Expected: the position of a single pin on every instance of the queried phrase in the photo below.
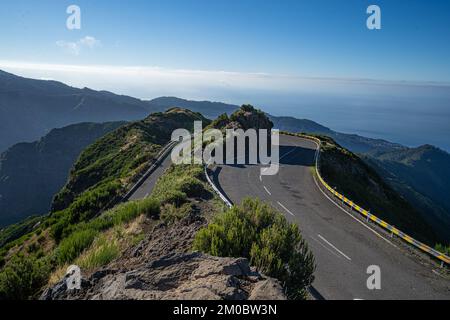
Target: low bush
(22, 277)
(179, 183)
(171, 213)
(84, 233)
(150, 207)
(443, 249)
(72, 246)
(256, 231)
(175, 197)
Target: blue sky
(305, 38)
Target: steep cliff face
(422, 176)
(351, 176)
(31, 173)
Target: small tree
(256, 231)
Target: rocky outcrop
(162, 266)
(185, 276)
(248, 117)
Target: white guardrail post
(393, 231)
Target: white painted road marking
(267, 190)
(287, 153)
(326, 248)
(331, 245)
(287, 210)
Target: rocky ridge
(162, 267)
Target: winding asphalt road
(147, 186)
(344, 246)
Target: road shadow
(289, 155)
(297, 156)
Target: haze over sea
(410, 114)
(411, 121)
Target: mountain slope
(116, 160)
(103, 173)
(211, 110)
(31, 173)
(422, 176)
(361, 183)
(31, 108)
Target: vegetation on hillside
(31, 173)
(352, 177)
(123, 154)
(422, 176)
(27, 271)
(443, 249)
(103, 172)
(257, 231)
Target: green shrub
(192, 187)
(125, 212)
(58, 228)
(102, 253)
(171, 213)
(174, 197)
(91, 202)
(256, 231)
(150, 207)
(443, 249)
(99, 224)
(72, 246)
(83, 234)
(22, 277)
(180, 182)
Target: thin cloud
(75, 48)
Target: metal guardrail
(353, 206)
(216, 190)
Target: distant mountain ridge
(30, 108)
(422, 176)
(31, 173)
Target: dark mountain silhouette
(31, 173)
(30, 108)
(422, 176)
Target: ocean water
(409, 120)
